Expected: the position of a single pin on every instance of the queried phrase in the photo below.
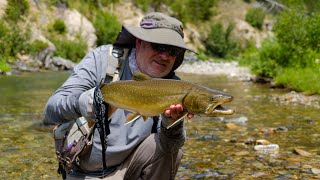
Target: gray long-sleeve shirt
(63, 106)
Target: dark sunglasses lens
(163, 48)
(173, 52)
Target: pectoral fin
(180, 118)
(134, 116)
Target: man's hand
(174, 111)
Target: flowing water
(217, 148)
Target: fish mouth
(217, 109)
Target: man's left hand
(174, 111)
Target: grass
(305, 80)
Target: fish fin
(181, 118)
(144, 117)
(132, 117)
(138, 76)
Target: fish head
(208, 103)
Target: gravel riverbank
(230, 69)
(234, 71)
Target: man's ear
(138, 43)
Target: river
(216, 148)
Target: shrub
(13, 40)
(37, 46)
(193, 10)
(74, 50)
(255, 17)
(4, 66)
(107, 28)
(16, 8)
(292, 58)
(302, 79)
(58, 26)
(219, 42)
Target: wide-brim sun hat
(155, 28)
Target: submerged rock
(267, 149)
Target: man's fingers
(167, 113)
(174, 111)
(190, 115)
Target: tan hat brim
(159, 36)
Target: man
(142, 149)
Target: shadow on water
(214, 149)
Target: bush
(73, 50)
(59, 26)
(107, 28)
(37, 46)
(255, 17)
(13, 40)
(16, 8)
(219, 42)
(292, 58)
(193, 10)
(303, 79)
(185, 10)
(4, 66)
(263, 61)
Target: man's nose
(165, 55)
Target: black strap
(62, 171)
(155, 124)
(101, 112)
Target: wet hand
(175, 111)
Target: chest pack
(75, 137)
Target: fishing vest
(75, 137)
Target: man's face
(153, 60)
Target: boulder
(77, 24)
(3, 5)
(59, 63)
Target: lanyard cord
(101, 112)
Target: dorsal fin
(138, 76)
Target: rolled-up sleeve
(63, 105)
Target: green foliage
(145, 4)
(299, 35)
(37, 46)
(13, 40)
(263, 61)
(16, 8)
(292, 57)
(73, 50)
(59, 26)
(255, 17)
(302, 79)
(4, 66)
(219, 42)
(193, 10)
(107, 28)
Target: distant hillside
(68, 29)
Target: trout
(147, 97)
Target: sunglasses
(173, 51)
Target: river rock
(315, 171)
(3, 5)
(238, 120)
(232, 126)
(303, 152)
(58, 63)
(267, 149)
(262, 142)
(77, 24)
